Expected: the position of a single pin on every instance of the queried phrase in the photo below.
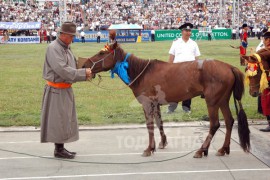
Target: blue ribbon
(120, 68)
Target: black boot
(267, 129)
(61, 152)
(74, 153)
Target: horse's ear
(112, 35)
(249, 59)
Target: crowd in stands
(151, 14)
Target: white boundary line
(137, 173)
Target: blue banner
(126, 39)
(146, 35)
(91, 36)
(20, 25)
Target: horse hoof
(146, 153)
(205, 152)
(197, 155)
(227, 150)
(162, 146)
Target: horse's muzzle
(254, 94)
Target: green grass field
(21, 85)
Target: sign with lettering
(20, 25)
(21, 39)
(126, 39)
(163, 35)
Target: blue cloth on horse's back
(120, 68)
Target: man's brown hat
(68, 28)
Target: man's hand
(88, 74)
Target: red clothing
(265, 101)
(243, 50)
(243, 44)
(244, 36)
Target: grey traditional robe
(58, 117)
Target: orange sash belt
(60, 85)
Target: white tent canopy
(125, 26)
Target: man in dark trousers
(183, 49)
(98, 36)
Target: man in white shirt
(54, 35)
(261, 44)
(234, 34)
(82, 36)
(152, 35)
(182, 50)
(98, 36)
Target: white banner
(20, 25)
(20, 40)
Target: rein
(139, 74)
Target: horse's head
(257, 71)
(105, 59)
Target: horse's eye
(101, 52)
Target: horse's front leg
(163, 143)
(149, 116)
(214, 125)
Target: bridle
(263, 84)
(107, 48)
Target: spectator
(153, 35)
(209, 36)
(48, 33)
(98, 36)
(82, 36)
(54, 35)
(234, 34)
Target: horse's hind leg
(149, 116)
(214, 125)
(159, 123)
(229, 124)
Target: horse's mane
(264, 53)
(139, 67)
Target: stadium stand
(151, 14)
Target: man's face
(69, 38)
(266, 42)
(186, 33)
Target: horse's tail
(238, 91)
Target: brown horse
(257, 71)
(156, 83)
